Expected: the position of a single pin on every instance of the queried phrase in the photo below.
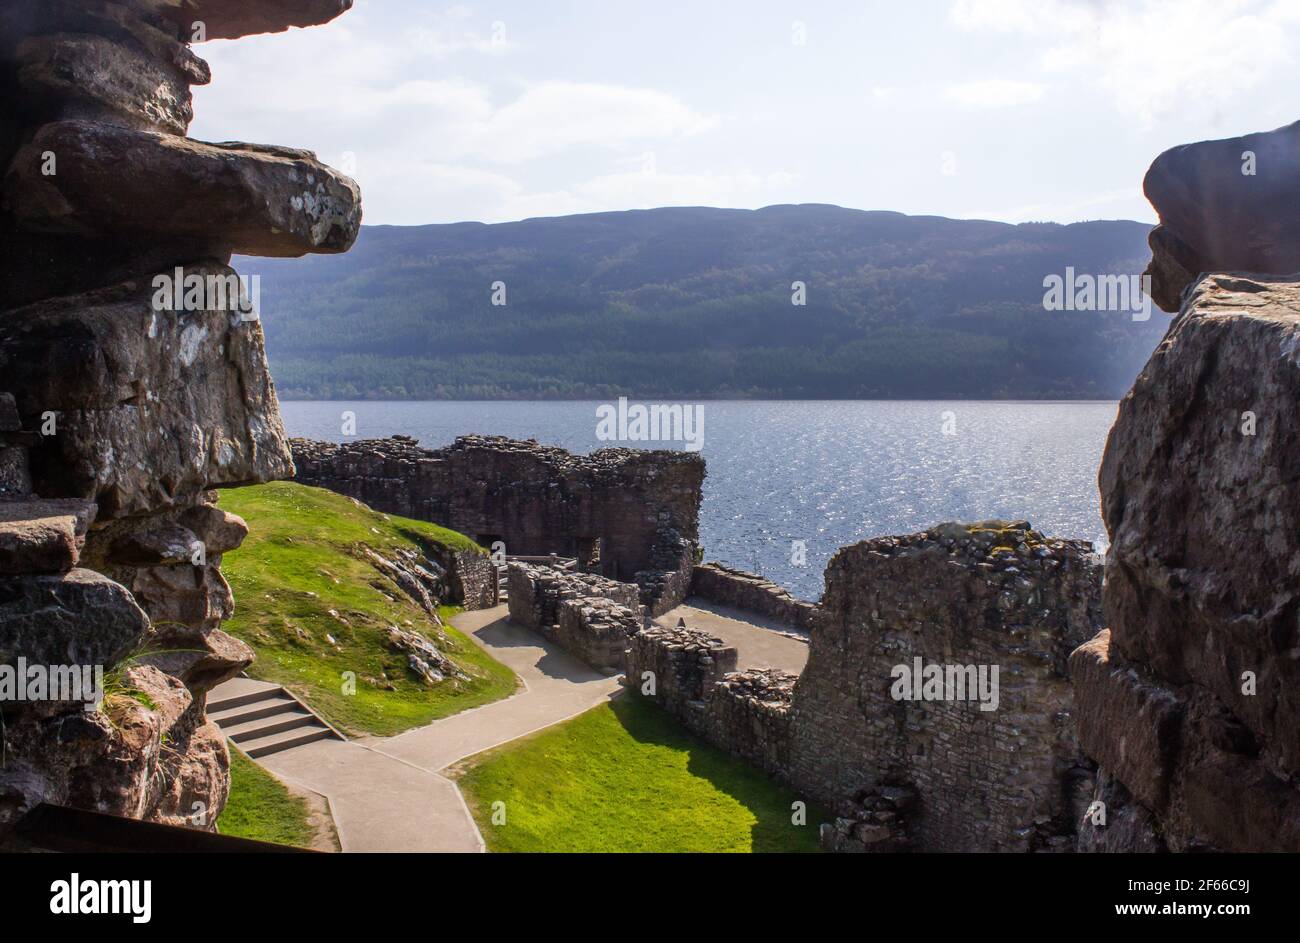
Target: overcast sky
(999, 109)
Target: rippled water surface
(826, 473)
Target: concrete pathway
(387, 793)
(759, 642)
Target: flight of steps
(503, 585)
(264, 718)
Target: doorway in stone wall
(588, 552)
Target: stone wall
(586, 615)
(1190, 702)
(627, 514)
(472, 579)
(122, 405)
(693, 676)
(991, 594)
(740, 590)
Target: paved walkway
(388, 794)
(760, 642)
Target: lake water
(825, 473)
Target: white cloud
(456, 31)
(432, 147)
(555, 116)
(995, 93)
(1155, 58)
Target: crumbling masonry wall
(587, 615)
(626, 514)
(123, 406)
(997, 593)
(740, 590)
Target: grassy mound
(626, 777)
(315, 609)
(261, 808)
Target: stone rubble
(424, 657)
(873, 820)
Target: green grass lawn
(304, 557)
(260, 807)
(627, 777)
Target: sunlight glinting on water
(827, 473)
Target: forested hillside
(696, 302)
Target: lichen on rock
(120, 411)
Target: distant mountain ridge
(695, 302)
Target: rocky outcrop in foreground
(1191, 701)
(133, 381)
(1224, 206)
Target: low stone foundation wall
(749, 711)
(596, 630)
(692, 675)
(667, 586)
(472, 579)
(677, 668)
(740, 590)
(586, 615)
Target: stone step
(285, 740)
(264, 718)
(235, 715)
(265, 726)
(241, 691)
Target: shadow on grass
(768, 800)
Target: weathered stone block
(79, 75)
(245, 198)
(151, 407)
(1201, 499)
(201, 658)
(45, 618)
(187, 595)
(1130, 726)
(42, 536)
(194, 790)
(230, 19)
(1216, 218)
